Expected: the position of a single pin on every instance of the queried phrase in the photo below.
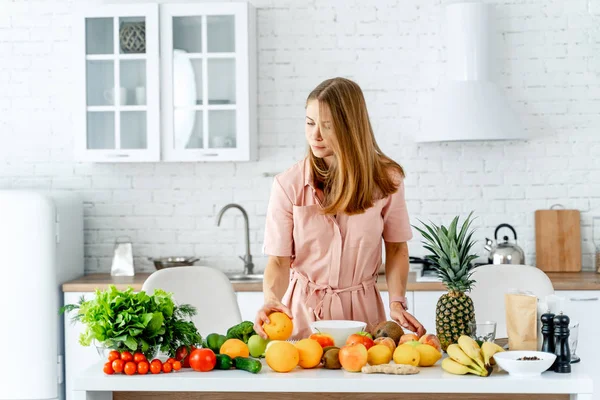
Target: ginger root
(393, 369)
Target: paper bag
(122, 263)
(521, 321)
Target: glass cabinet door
(120, 83)
(203, 59)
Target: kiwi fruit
(388, 329)
(331, 358)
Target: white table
(94, 384)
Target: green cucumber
(248, 364)
(223, 361)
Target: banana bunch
(467, 357)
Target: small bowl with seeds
(524, 363)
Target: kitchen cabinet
(117, 112)
(583, 306)
(169, 82)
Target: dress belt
(330, 296)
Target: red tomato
(155, 368)
(139, 357)
(176, 365)
(167, 367)
(108, 369)
(203, 360)
(118, 366)
(182, 355)
(113, 355)
(170, 360)
(142, 367)
(130, 368)
(126, 356)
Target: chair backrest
(207, 289)
(493, 281)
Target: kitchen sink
(237, 277)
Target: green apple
(257, 346)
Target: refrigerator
(41, 247)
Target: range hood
(468, 105)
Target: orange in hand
(280, 326)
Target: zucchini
(248, 364)
(223, 361)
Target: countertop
(91, 282)
(428, 380)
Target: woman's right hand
(263, 315)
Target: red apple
(323, 339)
(358, 338)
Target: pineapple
(452, 261)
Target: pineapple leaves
(451, 252)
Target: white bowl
(509, 361)
(338, 329)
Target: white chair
(494, 281)
(207, 289)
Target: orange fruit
(234, 348)
(282, 356)
(310, 352)
(280, 326)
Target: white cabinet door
(249, 303)
(583, 306)
(208, 71)
(424, 308)
(77, 357)
(117, 111)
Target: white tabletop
(429, 380)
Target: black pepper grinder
(561, 341)
(548, 344)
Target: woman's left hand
(406, 320)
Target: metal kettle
(505, 252)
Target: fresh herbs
(124, 320)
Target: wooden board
(558, 240)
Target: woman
(326, 218)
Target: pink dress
(335, 261)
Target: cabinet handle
(210, 154)
(117, 155)
(584, 299)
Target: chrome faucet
(248, 265)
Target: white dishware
(338, 329)
(513, 362)
(119, 97)
(140, 95)
(184, 98)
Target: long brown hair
(361, 173)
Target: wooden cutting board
(558, 240)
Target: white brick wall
(548, 64)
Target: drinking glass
(483, 331)
(573, 338)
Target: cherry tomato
(143, 367)
(113, 355)
(130, 368)
(203, 360)
(170, 360)
(167, 367)
(126, 356)
(182, 355)
(118, 366)
(155, 368)
(108, 369)
(139, 357)
(176, 365)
